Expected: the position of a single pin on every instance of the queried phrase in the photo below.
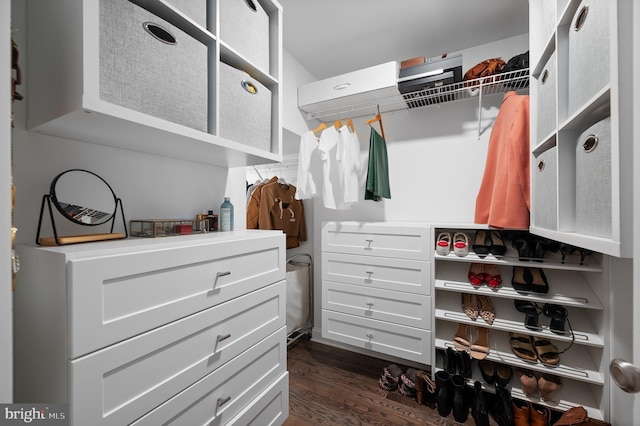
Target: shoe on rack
(480, 407)
(531, 311)
(480, 348)
(460, 339)
(522, 347)
(521, 413)
(488, 370)
(497, 244)
(539, 283)
(470, 305)
(558, 315)
(460, 244)
(460, 406)
(546, 351)
(539, 415)
(486, 311)
(443, 244)
(521, 244)
(482, 243)
(521, 279)
(548, 385)
(476, 274)
(492, 276)
(528, 381)
(503, 374)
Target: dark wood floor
(330, 386)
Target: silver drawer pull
(225, 337)
(220, 274)
(369, 242)
(370, 336)
(222, 401)
(369, 304)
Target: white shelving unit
(578, 288)
(470, 89)
(562, 33)
(64, 86)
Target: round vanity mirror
(83, 197)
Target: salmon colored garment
(503, 198)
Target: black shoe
(480, 408)
(460, 404)
(531, 311)
(444, 393)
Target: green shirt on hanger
(377, 186)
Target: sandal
(482, 243)
(443, 245)
(460, 244)
(548, 384)
(486, 311)
(531, 311)
(460, 340)
(480, 348)
(547, 352)
(558, 315)
(476, 274)
(522, 348)
(520, 280)
(492, 276)
(470, 305)
(528, 381)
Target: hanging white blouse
(309, 170)
(349, 164)
(332, 194)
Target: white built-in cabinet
(209, 40)
(376, 288)
(581, 289)
(581, 144)
(181, 330)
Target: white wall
(6, 305)
(151, 187)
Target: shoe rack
(577, 287)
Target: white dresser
(181, 330)
(376, 287)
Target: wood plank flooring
(331, 386)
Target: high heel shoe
(480, 348)
(497, 244)
(528, 382)
(481, 243)
(558, 315)
(522, 246)
(470, 305)
(486, 311)
(537, 247)
(531, 311)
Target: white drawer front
(220, 396)
(377, 239)
(113, 298)
(271, 407)
(384, 305)
(376, 272)
(119, 384)
(392, 339)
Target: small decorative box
(154, 228)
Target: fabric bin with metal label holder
(149, 65)
(245, 108)
(589, 57)
(547, 99)
(194, 9)
(593, 180)
(244, 26)
(545, 187)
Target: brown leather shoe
(521, 411)
(539, 415)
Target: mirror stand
(73, 239)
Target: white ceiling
(332, 37)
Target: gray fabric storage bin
(593, 180)
(545, 187)
(245, 117)
(546, 108)
(244, 26)
(589, 53)
(140, 72)
(194, 9)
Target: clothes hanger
(350, 125)
(321, 127)
(377, 118)
(337, 124)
